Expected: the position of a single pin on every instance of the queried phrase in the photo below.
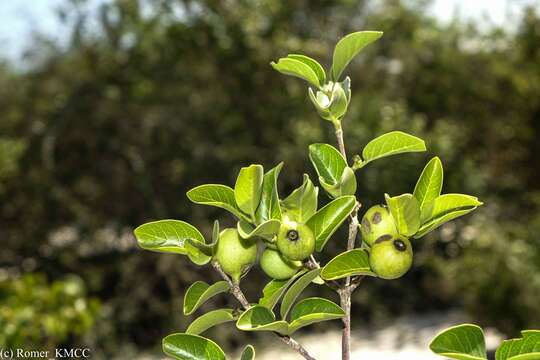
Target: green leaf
(215, 232)
(199, 292)
(406, 213)
(327, 220)
(312, 310)
(349, 263)
(269, 204)
(217, 195)
(462, 342)
(392, 143)
(265, 230)
(345, 186)
(448, 207)
(295, 290)
(210, 319)
(328, 162)
(170, 236)
(248, 353)
(295, 67)
(248, 188)
(191, 347)
(274, 290)
(206, 249)
(301, 204)
(348, 47)
(313, 64)
(260, 318)
(525, 348)
(428, 187)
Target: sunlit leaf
(199, 292)
(269, 204)
(406, 213)
(301, 204)
(265, 230)
(216, 195)
(210, 319)
(462, 342)
(248, 353)
(328, 162)
(295, 67)
(170, 236)
(327, 220)
(392, 143)
(525, 348)
(248, 188)
(448, 207)
(313, 64)
(428, 187)
(260, 318)
(191, 347)
(350, 263)
(312, 310)
(295, 290)
(274, 290)
(348, 47)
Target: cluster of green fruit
(391, 254)
(281, 259)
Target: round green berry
(234, 254)
(277, 267)
(391, 257)
(377, 221)
(295, 240)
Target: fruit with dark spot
(295, 240)
(277, 266)
(377, 221)
(234, 254)
(391, 257)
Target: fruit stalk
(239, 295)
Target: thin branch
(296, 346)
(340, 141)
(346, 290)
(235, 289)
(239, 295)
(313, 264)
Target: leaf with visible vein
(217, 195)
(294, 67)
(429, 186)
(170, 236)
(392, 143)
(349, 263)
(191, 347)
(462, 342)
(199, 292)
(269, 204)
(328, 219)
(348, 47)
(210, 319)
(295, 290)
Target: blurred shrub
(36, 313)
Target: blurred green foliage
(149, 99)
(36, 313)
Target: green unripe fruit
(234, 254)
(277, 267)
(377, 221)
(391, 257)
(295, 241)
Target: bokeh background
(111, 110)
